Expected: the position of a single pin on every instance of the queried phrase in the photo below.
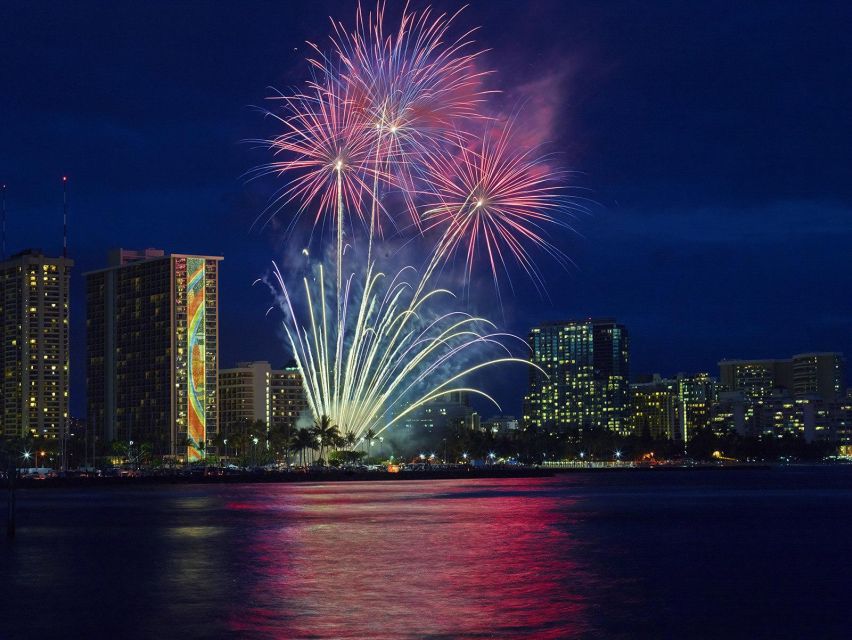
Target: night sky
(714, 139)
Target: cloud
(536, 106)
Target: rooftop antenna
(3, 256)
(64, 216)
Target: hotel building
(152, 351)
(802, 375)
(34, 345)
(584, 383)
(254, 391)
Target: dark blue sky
(714, 137)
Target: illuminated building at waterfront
(801, 396)
(34, 293)
(152, 350)
(802, 375)
(672, 408)
(452, 411)
(584, 383)
(654, 409)
(288, 403)
(253, 391)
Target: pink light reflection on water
(445, 559)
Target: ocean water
(638, 554)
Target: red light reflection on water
(446, 559)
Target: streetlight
(618, 455)
(254, 456)
(492, 456)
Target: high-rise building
(654, 409)
(288, 403)
(34, 345)
(756, 379)
(254, 391)
(673, 408)
(844, 423)
(244, 394)
(696, 396)
(584, 383)
(818, 374)
(804, 374)
(152, 351)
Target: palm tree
(326, 432)
(350, 439)
(219, 441)
(369, 438)
(279, 442)
(303, 441)
(239, 442)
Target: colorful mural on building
(196, 427)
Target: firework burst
(412, 85)
(491, 198)
(325, 147)
(386, 109)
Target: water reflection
(634, 555)
(420, 560)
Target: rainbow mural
(197, 425)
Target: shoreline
(285, 477)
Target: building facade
(756, 379)
(802, 375)
(697, 394)
(501, 425)
(801, 396)
(581, 376)
(288, 402)
(654, 409)
(672, 408)
(152, 351)
(819, 374)
(255, 392)
(244, 394)
(34, 348)
(447, 413)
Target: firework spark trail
(389, 351)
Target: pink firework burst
(412, 85)
(325, 150)
(489, 197)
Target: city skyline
(121, 256)
(697, 264)
(425, 319)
